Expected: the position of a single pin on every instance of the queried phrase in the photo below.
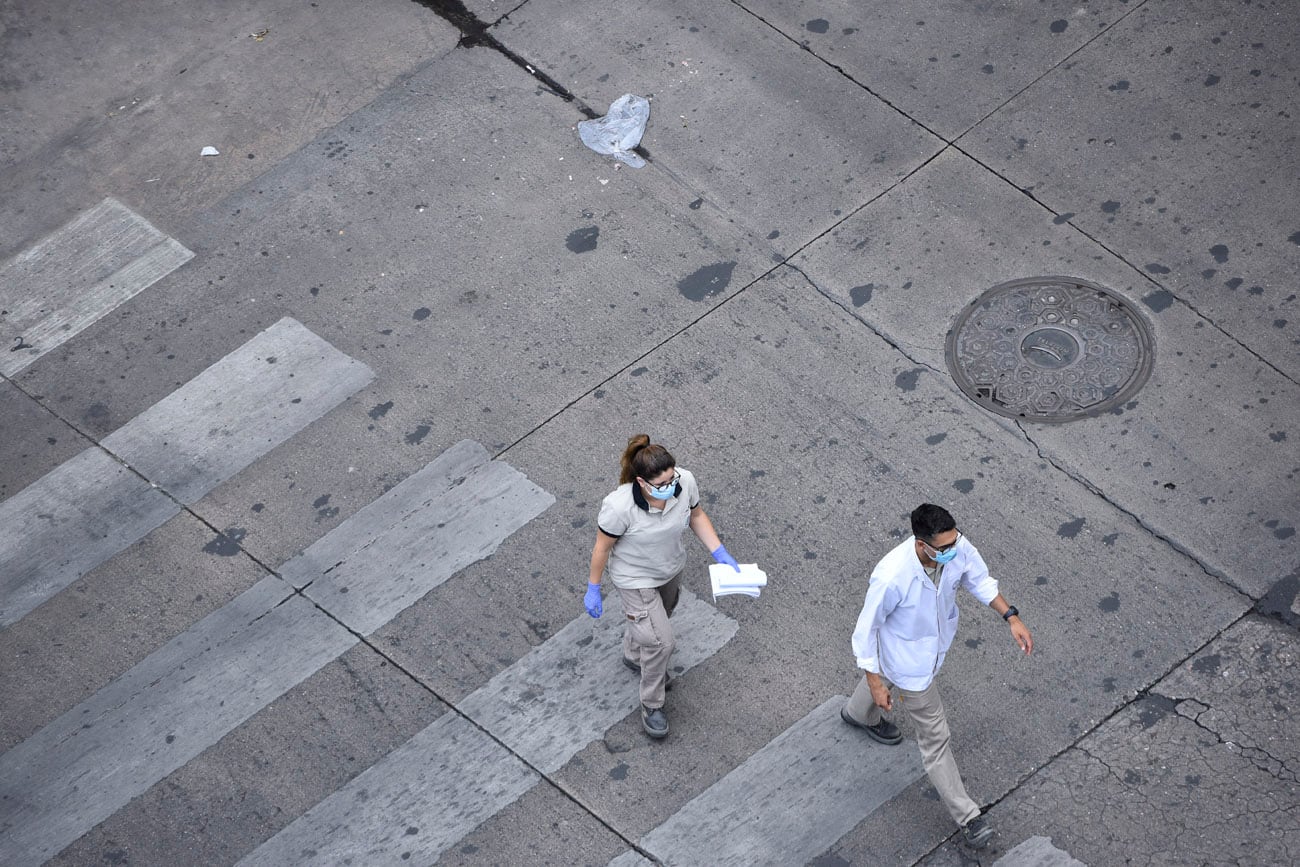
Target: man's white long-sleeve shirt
(907, 623)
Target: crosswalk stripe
(188, 694)
(788, 802)
(92, 507)
(451, 777)
(1037, 852)
(72, 278)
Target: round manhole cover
(1050, 349)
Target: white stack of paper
(726, 580)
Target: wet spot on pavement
(380, 410)
(1159, 300)
(226, 544)
(583, 240)
(964, 485)
(1209, 664)
(709, 280)
(1157, 268)
(1119, 85)
(619, 771)
(1109, 604)
(860, 295)
(1070, 529)
(1059, 25)
(1152, 708)
(421, 314)
(1220, 253)
(935, 439)
(415, 437)
(907, 379)
(1062, 219)
(817, 25)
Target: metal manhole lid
(1050, 349)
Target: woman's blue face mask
(664, 491)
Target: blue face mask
(664, 493)
(945, 556)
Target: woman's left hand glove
(721, 555)
(592, 600)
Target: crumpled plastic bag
(619, 131)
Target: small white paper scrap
(209, 151)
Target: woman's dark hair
(643, 459)
(929, 520)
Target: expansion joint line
(564, 791)
(1092, 488)
(895, 344)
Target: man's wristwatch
(1012, 611)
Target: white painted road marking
(1037, 852)
(91, 507)
(790, 801)
(451, 777)
(188, 694)
(68, 281)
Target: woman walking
(639, 545)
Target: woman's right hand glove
(592, 600)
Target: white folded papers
(726, 580)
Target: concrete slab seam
(1142, 274)
(459, 712)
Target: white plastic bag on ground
(619, 131)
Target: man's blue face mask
(944, 555)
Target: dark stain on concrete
(964, 485)
(380, 410)
(935, 439)
(907, 379)
(1070, 529)
(817, 25)
(709, 280)
(226, 543)
(860, 295)
(583, 240)
(1159, 300)
(1209, 664)
(1153, 707)
(1109, 604)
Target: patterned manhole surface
(1050, 349)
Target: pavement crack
(1092, 488)
(1261, 758)
(895, 344)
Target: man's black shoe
(884, 731)
(668, 678)
(977, 833)
(654, 721)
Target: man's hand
(1020, 632)
(879, 693)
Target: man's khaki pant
(648, 637)
(926, 711)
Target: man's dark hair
(929, 520)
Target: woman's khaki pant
(648, 637)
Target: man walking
(907, 623)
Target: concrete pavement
(828, 186)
